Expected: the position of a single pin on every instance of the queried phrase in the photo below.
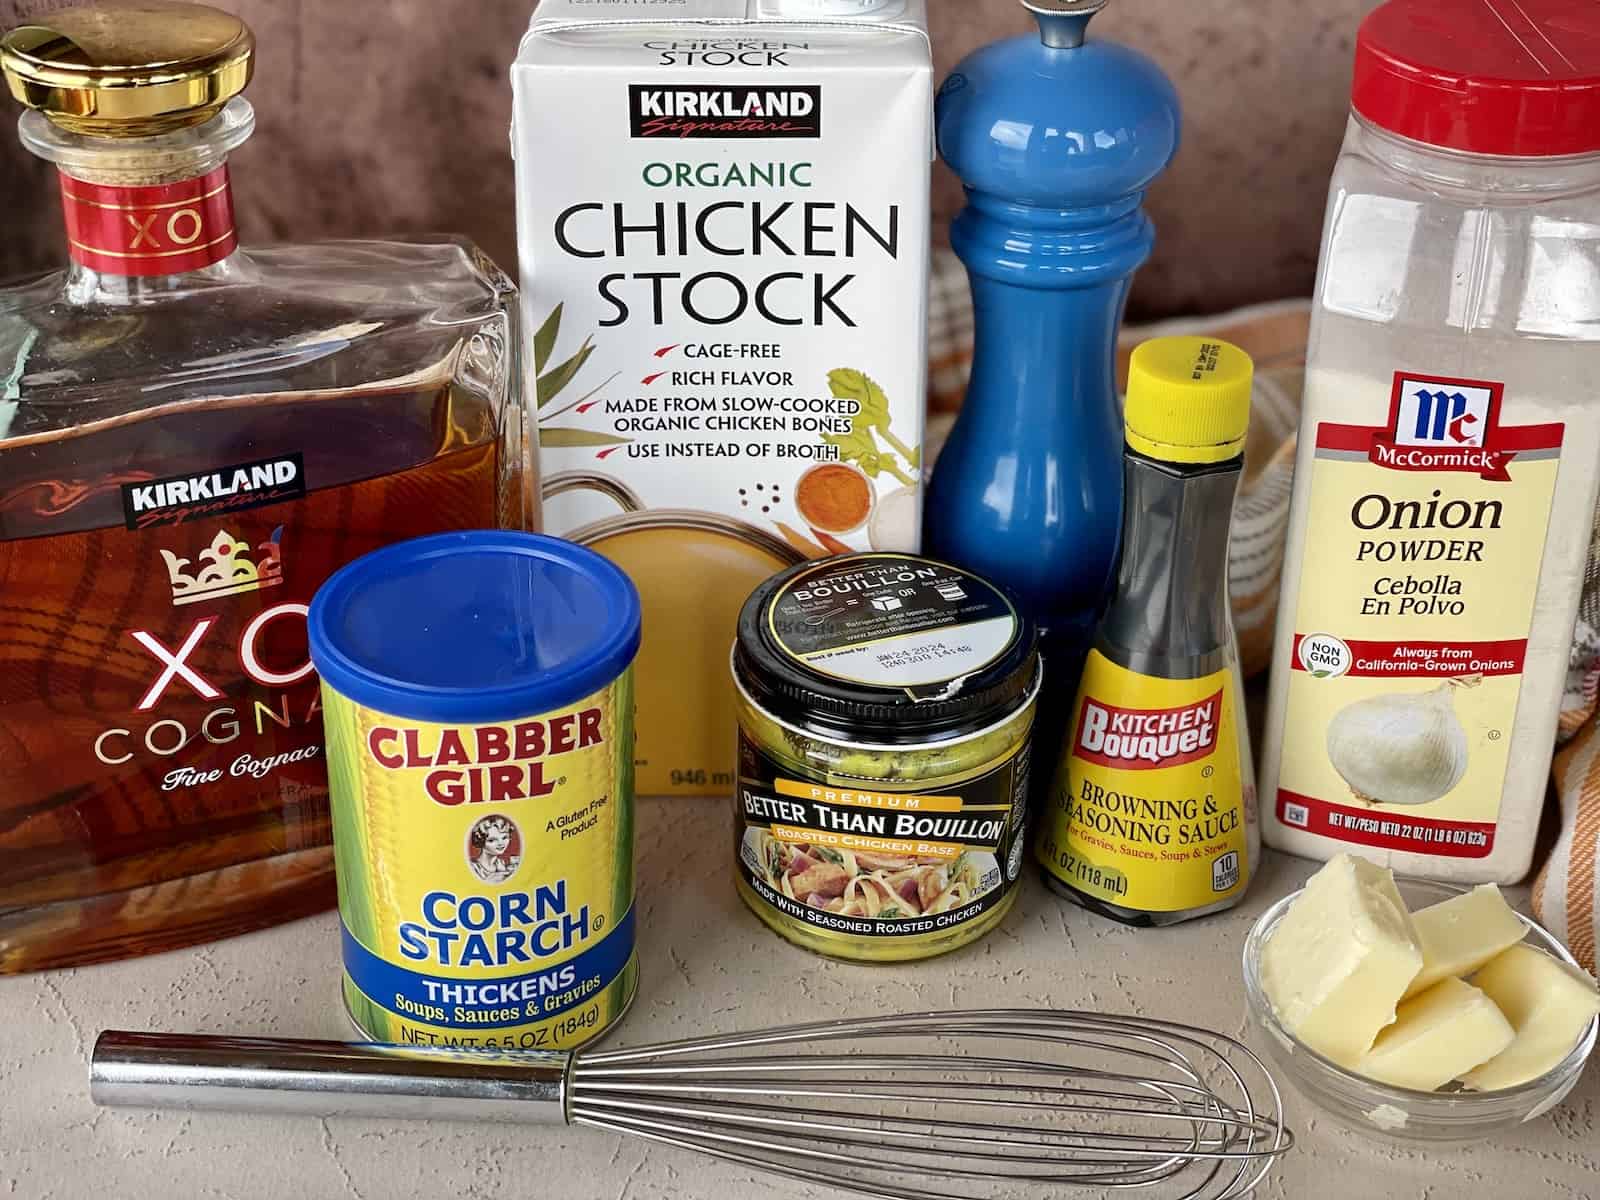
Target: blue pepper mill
(1056, 139)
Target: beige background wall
(390, 115)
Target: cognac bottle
(192, 437)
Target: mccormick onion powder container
(1445, 483)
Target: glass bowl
(1402, 1113)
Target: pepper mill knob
(1062, 22)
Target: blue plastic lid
(472, 627)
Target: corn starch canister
(479, 717)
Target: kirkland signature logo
(714, 111)
(201, 494)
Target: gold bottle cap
(128, 69)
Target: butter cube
(1341, 958)
(1548, 1004)
(1438, 1035)
(1459, 935)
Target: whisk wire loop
(992, 1100)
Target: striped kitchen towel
(1564, 896)
(1564, 889)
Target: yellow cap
(1188, 399)
(128, 68)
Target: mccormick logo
(212, 493)
(228, 567)
(716, 111)
(1433, 415)
(1442, 424)
(1142, 739)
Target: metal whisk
(995, 1103)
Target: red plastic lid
(1511, 77)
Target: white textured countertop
(708, 966)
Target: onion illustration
(1401, 747)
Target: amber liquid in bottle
(151, 734)
(192, 439)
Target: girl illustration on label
(494, 849)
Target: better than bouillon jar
(885, 706)
(479, 715)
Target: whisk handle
(327, 1079)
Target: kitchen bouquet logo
(179, 498)
(1147, 738)
(694, 110)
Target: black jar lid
(885, 648)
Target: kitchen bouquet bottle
(1056, 139)
(192, 438)
(1445, 483)
(1151, 818)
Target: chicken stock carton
(722, 211)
